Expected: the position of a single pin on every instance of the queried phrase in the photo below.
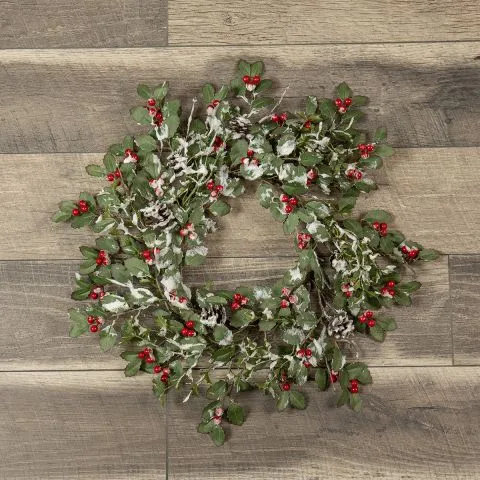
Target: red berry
(159, 115)
(390, 284)
(250, 153)
(164, 378)
(75, 212)
(246, 79)
(376, 226)
(307, 124)
(362, 147)
(235, 306)
(237, 297)
(284, 198)
(369, 314)
(190, 324)
(348, 293)
(308, 352)
(275, 118)
(284, 303)
(383, 226)
(93, 328)
(354, 382)
(117, 173)
(333, 377)
(301, 352)
(358, 175)
(93, 295)
(84, 208)
(354, 389)
(285, 387)
(157, 369)
(215, 102)
(362, 318)
(141, 354)
(146, 254)
(293, 201)
(128, 152)
(404, 249)
(288, 208)
(283, 117)
(338, 102)
(184, 332)
(110, 177)
(150, 360)
(82, 203)
(210, 184)
(392, 292)
(307, 364)
(91, 319)
(99, 260)
(371, 323)
(191, 333)
(413, 253)
(370, 147)
(347, 102)
(219, 188)
(256, 80)
(151, 102)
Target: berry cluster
(218, 414)
(188, 230)
(306, 354)
(146, 355)
(218, 144)
(97, 292)
(312, 176)
(303, 239)
(155, 113)
(285, 385)
(251, 82)
(113, 175)
(95, 323)
(342, 105)
(82, 207)
(239, 300)
(388, 290)
(149, 255)
(366, 150)
(165, 371)
(307, 124)
(353, 386)
(188, 329)
(381, 228)
(280, 119)
(368, 318)
(410, 253)
(130, 156)
(249, 160)
(288, 298)
(102, 258)
(354, 173)
(173, 296)
(347, 289)
(290, 203)
(215, 190)
(212, 106)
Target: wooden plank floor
(68, 72)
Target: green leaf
(80, 324)
(171, 108)
(160, 91)
(256, 68)
(220, 332)
(264, 85)
(428, 255)
(195, 256)
(402, 298)
(107, 243)
(388, 324)
(291, 223)
(262, 102)
(120, 273)
(380, 135)
(337, 359)
(88, 266)
(140, 115)
(321, 378)
(95, 170)
(346, 204)
(265, 194)
(236, 414)
(238, 150)
(205, 427)
(344, 91)
(343, 398)
(224, 355)
(83, 220)
(353, 226)
(101, 226)
(327, 108)
(61, 216)
(146, 143)
(311, 105)
(217, 435)
(309, 159)
(241, 318)
(297, 399)
(355, 402)
(208, 93)
(377, 216)
(172, 122)
(133, 367)
(320, 209)
(137, 267)
(244, 68)
(377, 333)
(218, 390)
(144, 91)
(108, 338)
(409, 287)
(283, 401)
(359, 100)
(383, 151)
(219, 208)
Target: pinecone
(157, 215)
(341, 326)
(213, 315)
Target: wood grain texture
(78, 100)
(80, 425)
(89, 23)
(249, 22)
(465, 294)
(35, 296)
(430, 192)
(417, 423)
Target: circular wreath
(164, 191)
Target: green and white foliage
(163, 193)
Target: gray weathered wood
(80, 425)
(465, 295)
(89, 23)
(35, 297)
(78, 100)
(430, 192)
(416, 423)
(227, 22)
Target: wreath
(164, 191)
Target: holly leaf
(355, 402)
(377, 216)
(108, 338)
(133, 367)
(95, 170)
(428, 254)
(283, 401)
(409, 287)
(241, 318)
(137, 267)
(208, 93)
(146, 143)
(217, 435)
(297, 400)
(343, 91)
(144, 91)
(265, 194)
(219, 208)
(383, 151)
(236, 414)
(321, 378)
(377, 333)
